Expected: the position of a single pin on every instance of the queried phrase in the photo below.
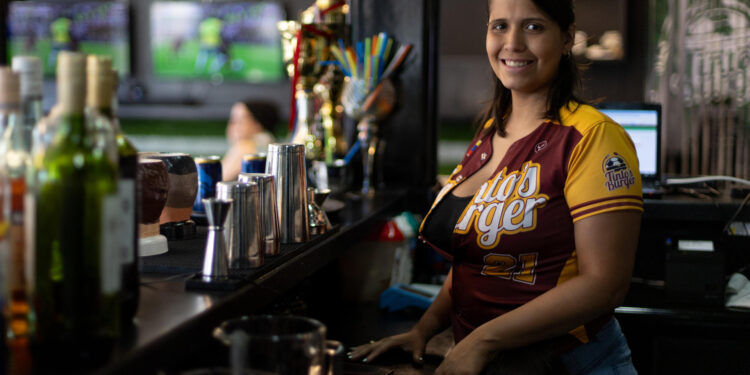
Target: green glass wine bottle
(74, 208)
(102, 86)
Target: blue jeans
(605, 354)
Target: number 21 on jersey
(506, 266)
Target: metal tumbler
(269, 216)
(242, 230)
(286, 162)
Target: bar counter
(174, 324)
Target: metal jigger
(215, 260)
(368, 107)
(319, 222)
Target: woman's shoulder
(584, 117)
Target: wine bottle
(101, 97)
(29, 69)
(9, 114)
(16, 146)
(72, 211)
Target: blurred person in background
(249, 130)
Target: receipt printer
(695, 274)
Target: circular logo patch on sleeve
(617, 172)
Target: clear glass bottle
(30, 70)
(72, 213)
(101, 97)
(10, 115)
(15, 144)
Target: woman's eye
(534, 27)
(497, 26)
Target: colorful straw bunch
(372, 60)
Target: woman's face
(242, 124)
(524, 45)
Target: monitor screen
(642, 122)
(43, 29)
(227, 40)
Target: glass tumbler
(274, 344)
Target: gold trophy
(317, 87)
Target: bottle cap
(9, 87)
(71, 82)
(30, 70)
(99, 82)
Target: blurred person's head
(249, 118)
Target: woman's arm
(432, 322)
(605, 245)
(437, 316)
(231, 164)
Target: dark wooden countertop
(171, 320)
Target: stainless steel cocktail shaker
(286, 162)
(269, 215)
(242, 229)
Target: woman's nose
(514, 40)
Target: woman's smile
(516, 64)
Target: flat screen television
(233, 40)
(44, 28)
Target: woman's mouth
(516, 63)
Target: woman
(249, 131)
(544, 210)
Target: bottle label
(126, 189)
(17, 236)
(110, 241)
(29, 229)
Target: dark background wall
(463, 68)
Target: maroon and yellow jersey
(515, 239)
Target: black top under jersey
(439, 229)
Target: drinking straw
(397, 60)
(382, 40)
(341, 60)
(368, 70)
(384, 58)
(360, 53)
(352, 61)
(371, 97)
(342, 47)
(353, 151)
(375, 65)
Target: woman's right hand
(410, 341)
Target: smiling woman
(524, 52)
(541, 238)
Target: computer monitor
(642, 121)
(44, 28)
(229, 40)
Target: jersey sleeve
(603, 173)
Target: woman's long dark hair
(563, 87)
